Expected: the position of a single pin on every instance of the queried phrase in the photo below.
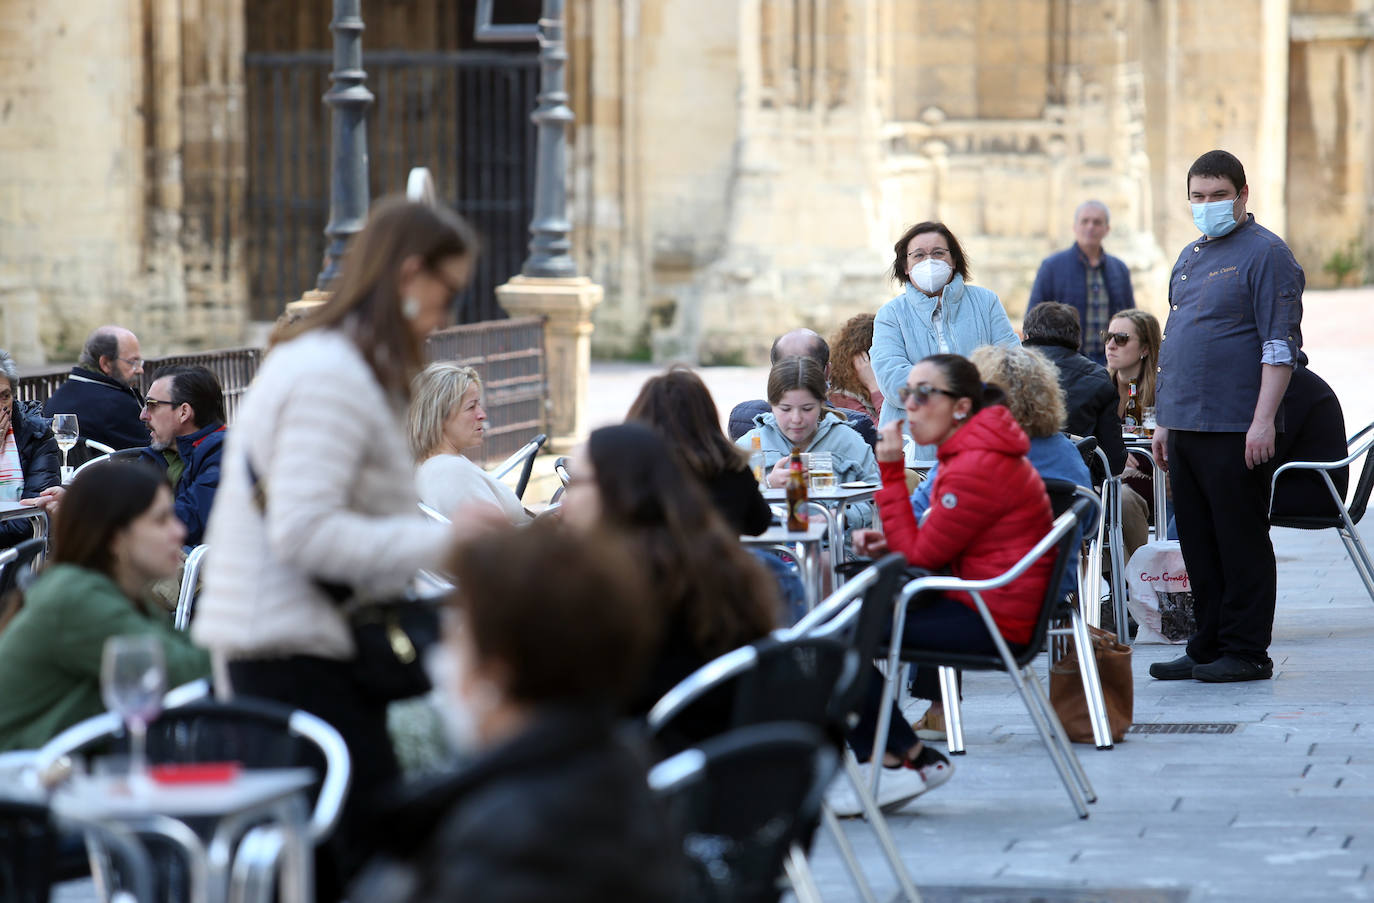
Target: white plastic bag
(1160, 596)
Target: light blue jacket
(853, 456)
(903, 334)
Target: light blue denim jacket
(853, 457)
(903, 334)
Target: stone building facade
(738, 166)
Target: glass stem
(138, 748)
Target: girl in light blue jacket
(801, 418)
(937, 313)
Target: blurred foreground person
(115, 535)
(549, 629)
(710, 595)
(446, 419)
(317, 503)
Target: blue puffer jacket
(853, 457)
(904, 334)
(195, 492)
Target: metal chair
(809, 673)
(745, 801)
(255, 732)
(29, 838)
(1347, 512)
(1058, 541)
(17, 564)
(190, 586)
(524, 459)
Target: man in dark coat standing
(1086, 278)
(102, 390)
(1089, 396)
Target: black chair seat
(1307, 523)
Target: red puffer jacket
(988, 509)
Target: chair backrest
(1065, 550)
(253, 732)
(1359, 499)
(1087, 447)
(524, 459)
(18, 572)
(190, 586)
(741, 800)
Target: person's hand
(890, 442)
(1132, 462)
(1259, 443)
(1159, 447)
(5, 420)
(869, 543)
(474, 519)
(48, 499)
(777, 477)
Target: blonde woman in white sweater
(446, 419)
(318, 485)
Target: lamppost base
(566, 305)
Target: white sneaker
(897, 787)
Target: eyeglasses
(152, 404)
(135, 362)
(935, 253)
(1120, 338)
(921, 393)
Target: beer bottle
(1130, 422)
(796, 493)
(756, 460)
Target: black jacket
(106, 410)
(739, 501)
(1314, 430)
(560, 813)
(41, 460)
(1090, 398)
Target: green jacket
(50, 653)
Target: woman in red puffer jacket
(988, 509)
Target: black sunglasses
(1120, 338)
(152, 403)
(921, 393)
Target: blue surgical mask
(1215, 218)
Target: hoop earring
(410, 307)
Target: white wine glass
(133, 678)
(66, 431)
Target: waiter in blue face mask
(1230, 345)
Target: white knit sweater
(329, 447)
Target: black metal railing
(464, 115)
(508, 355)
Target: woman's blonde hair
(437, 389)
(1031, 384)
(1147, 330)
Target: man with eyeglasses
(1227, 355)
(184, 414)
(1086, 278)
(102, 391)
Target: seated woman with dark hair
(711, 595)
(548, 632)
(679, 406)
(114, 535)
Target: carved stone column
(566, 306)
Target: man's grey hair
(9, 370)
(1106, 214)
(104, 342)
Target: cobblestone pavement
(1280, 809)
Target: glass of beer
(822, 471)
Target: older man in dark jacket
(1089, 396)
(102, 390)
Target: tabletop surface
(815, 532)
(14, 509)
(835, 495)
(109, 796)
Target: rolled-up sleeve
(1277, 284)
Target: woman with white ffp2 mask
(938, 312)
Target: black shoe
(1230, 669)
(1180, 668)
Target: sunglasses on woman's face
(1119, 338)
(921, 393)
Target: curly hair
(855, 337)
(1031, 383)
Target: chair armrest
(694, 685)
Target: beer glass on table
(821, 467)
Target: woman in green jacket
(114, 534)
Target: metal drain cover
(1052, 895)
(1185, 727)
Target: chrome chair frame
(522, 457)
(186, 595)
(1359, 445)
(1027, 684)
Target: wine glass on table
(133, 677)
(66, 431)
